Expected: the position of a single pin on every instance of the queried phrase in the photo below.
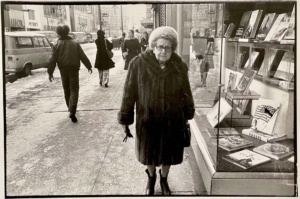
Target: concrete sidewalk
(90, 158)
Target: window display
(242, 130)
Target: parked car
(25, 51)
(80, 37)
(51, 35)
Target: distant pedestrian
(138, 35)
(103, 62)
(131, 48)
(121, 42)
(204, 68)
(144, 41)
(158, 88)
(67, 54)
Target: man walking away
(67, 54)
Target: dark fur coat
(164, 103)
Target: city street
(47, 154)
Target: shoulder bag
(109, 53)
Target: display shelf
(223, 178)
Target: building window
(31, 15)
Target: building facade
(82, 18)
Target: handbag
(187, 135)
(109, 53)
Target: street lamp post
(99, 11)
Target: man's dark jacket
(67, 53)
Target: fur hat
(163, 31)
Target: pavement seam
(111, 138)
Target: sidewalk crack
(110, 141)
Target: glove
(127, 132)
(51, 77)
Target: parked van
(80, 37)
(25, 51)
(51, 35)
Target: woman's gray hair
(164, 32)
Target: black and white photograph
(102, 99)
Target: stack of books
(263, 136)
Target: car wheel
(26, 70)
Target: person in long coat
(157, 84)
(144, 41)
(103, 63)
(131, 48)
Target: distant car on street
(25, 51)
(91, 37)
(80, 37)
(51, 35)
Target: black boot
(150, 189)
(164, 185)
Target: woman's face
(130, 35)
(163, 50)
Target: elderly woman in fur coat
(157, 84)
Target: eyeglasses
(166, 48)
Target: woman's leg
(165, 189)
(151, 172)
(105, 77)
(100, 76)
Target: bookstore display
(248, 133)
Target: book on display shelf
(245, 80)
(263, 136)
(275, 25)
(234, 143)
(243, 23)
(231, 81)
(274, 150)
(285, 70)
(265, 115)
(223, 132)
(271, 63)
(246, 159)
(252, 25)
(212, 116)
(242, 105)
(281, 30)
(266, 25)
(290, 35)
(229, 30)
(252, 58)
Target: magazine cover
(212, 116)
(274, 27)
(251, 60)
(245, 80)
(281, 29)
(274, 150)
(266, 25)
(233, 143)
(246, 159)
(231, 81)
(265, 115)
(241, 106)
(243, 24)
(267, 63)
(252, 25)
(291, 29)
(229, 30)
(286, 67)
